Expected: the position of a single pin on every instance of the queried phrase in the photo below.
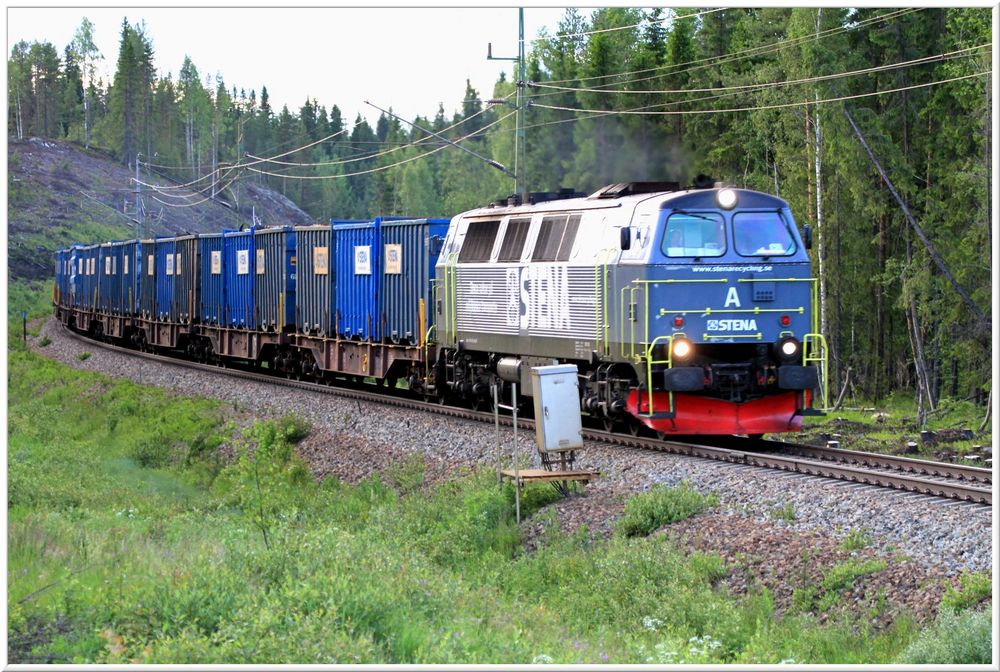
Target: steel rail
(748, 454)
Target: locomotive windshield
(762, 234)
(695, 234)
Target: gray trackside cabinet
(557, 407)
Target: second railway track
(937, 479)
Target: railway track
(936, 479)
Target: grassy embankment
(887, 426)
(131, 539)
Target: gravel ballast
(352, 439)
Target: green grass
(860, 430)
(660, 506)
(131, 540)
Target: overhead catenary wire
(763, 107)
(381, 168)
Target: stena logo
(538, 297)
(732, 325)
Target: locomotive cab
(728, 337)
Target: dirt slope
(60, 193)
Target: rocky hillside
(60, 193)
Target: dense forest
(873, 123)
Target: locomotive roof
(593, 202)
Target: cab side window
(694, 234)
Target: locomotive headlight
(726, 198)
(682, 348)
(787, 349)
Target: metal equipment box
(410, 250)
(557, 407)
(211, 308)
(186, 271)
(238, 258)
(314, 292)
(358, 271)
(274, 278)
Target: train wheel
(661, 435)
(634, 427)
(609, 424)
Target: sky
(407, 58)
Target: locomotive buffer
(558, 429)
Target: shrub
(841, 577)
(660, 506)
(150, 452)
(83, 356)
(44, 342)
(975, 587)
(855, 540)
(785, 512)
(294, 428)
(953, 639)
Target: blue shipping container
(213, 296)
(410, 250)
(358, 279)
(314, 288)
(237, 255)
(62, 277)
(184, 308)
(131, 277)
(86, 296)
(111, 265)
(274, 281)
(147, 271)
(165, 248)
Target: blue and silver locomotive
(688, 311)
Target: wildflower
(541, 659)
(650, 623)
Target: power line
(374, 155)
(380, 168)
(634, 25)
(199, 202)
(237, 165)
(736, 55)
(761, 107)
(761, 85)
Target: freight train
(686, 310)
